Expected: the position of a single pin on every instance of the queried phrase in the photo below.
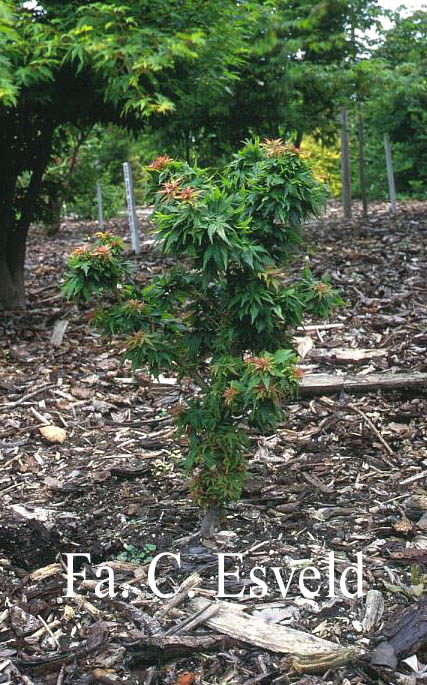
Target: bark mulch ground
(345, 474)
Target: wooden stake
(232, 620)
(390, 173)
(345, 165)
(362, 180)
(130, 199)
(324, 383)
(99, 201)
(99, 195)
(58, 332)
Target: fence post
(345, 165)
(362, 180)
(99, 201)
(130, 199)
(390, 174)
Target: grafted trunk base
(210, 522)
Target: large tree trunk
(14, 225)
(11, 288)
(12, 259)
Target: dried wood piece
(35, 637)
(58, 332)
(48, 517)
(11, 670)
(151, 650)
(146, 623)
(384, 656)
(43, 420)
(317, 483)
(319, 663)
(345, 355)
(321, 383)
(46, 572)
(97, 637)
(183, 592)
(232, 621)
(125, 567)
(372, 427)
(374, 609)
(415, 505)
(417, 476)
(49, 630)
(29, 395)
(320, 327)
(195, 620)
(82, 603)
(405, 633)
(410, 555)
(61, 676)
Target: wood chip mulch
(345, 474)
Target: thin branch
(372, 427)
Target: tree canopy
(80, 64)
(196, 78)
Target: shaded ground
(325, 482)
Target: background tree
(69, 63)
(285, 84)
(397, 105)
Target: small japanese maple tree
(223, 314)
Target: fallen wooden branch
(40, 665)
(372, 427)
(319, 384)
(195, 620)
(417, 476)
(28, 396)
(320, 327)
(189, 583)
(234, 622)
(164, 648)
(342, 355)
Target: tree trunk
(210, 522)
(13, 231)
(11, 285)
(299, 138)
(53, 223)
(362, 182)
(12, 258)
